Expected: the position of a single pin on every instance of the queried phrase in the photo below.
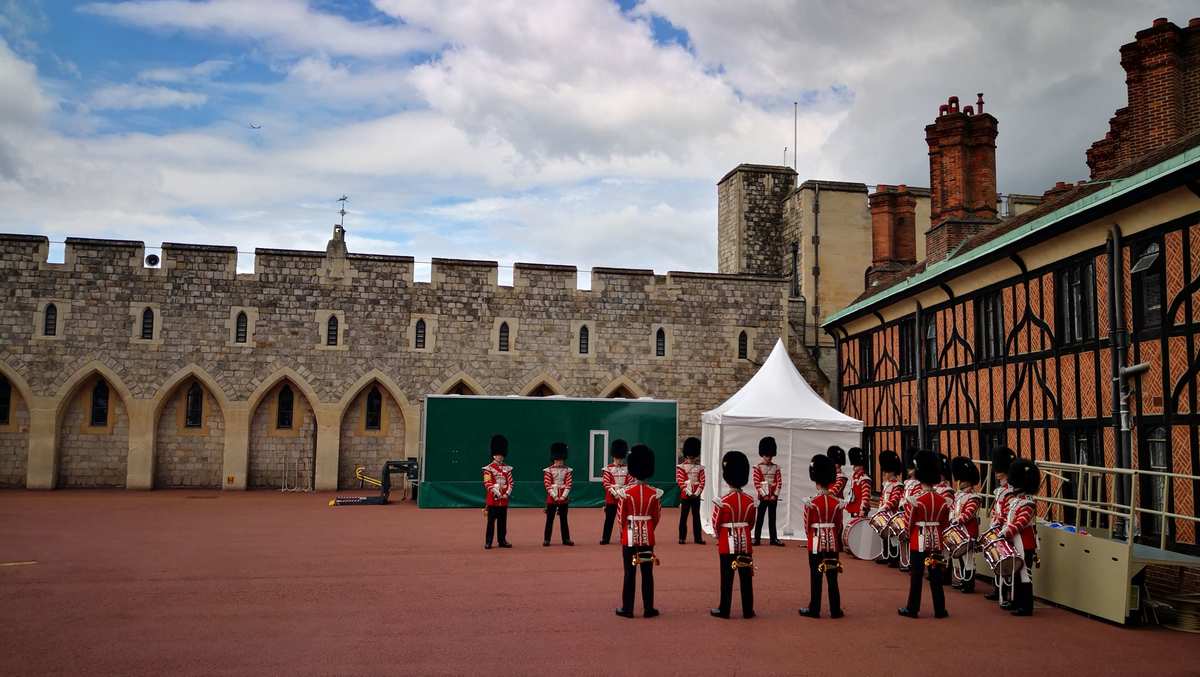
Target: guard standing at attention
(1020, 528)
(732, 516)
(823, 521)
(557, 480)
(689, 475)
(860, 484)
(638, 513)
(928, 516)
(498, 485)
(768, 482)
(615, 478)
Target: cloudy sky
(586, 132)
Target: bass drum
(861, 539)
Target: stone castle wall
(189, 457)
(102, 288)
(14, 444)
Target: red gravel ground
(259, 583)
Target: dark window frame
(929, 344)
(98, 416)
(866, 357)
(241, 329)
(50, 320)
(908, 347)
(743, 345)
(1091, 452)
(989, 327)
(193, 416)
(285, 406)
(147, 323)
(419, 334)
(660, 343)
(1145, 285)
(373, 414)
(5, 401)
(332, 330)
(584, 340)
(503, 338)
(1075, 302)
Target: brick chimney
(962, 176)
(893, 232)
(1162, 78)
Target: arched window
(503, 337)
(373, 418)
(241, 329)
(5, 401)
(331, 331)
(419, 335)
(283, 410)
(660, 343)
(461, 388)
(583, 340)
(743, 346)
(50, 324)
(194, 407)
(99, 413)
(148, 323)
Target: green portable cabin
(457, 430)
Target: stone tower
(750, 219)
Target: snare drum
(862, 540)
(879, 520)
(999, 553)
(898, 524)
(957, 540)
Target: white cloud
(205, 70)
(288, 25)
(138, 97)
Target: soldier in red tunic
(911, 487)
(838, 456)
(890, 501)
(638, 513)
(823, 522)
(860, 484)
(498, 485)
(732, 516)
(557, 480)
(768, 481)
(965, 511)
(1002, 458)
(689, 475)
(928, 516)
(614, 479)
(1021, 531)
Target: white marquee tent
(778, 402)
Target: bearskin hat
(1002, 458)
(1024, 475)
(766, 446)
(558, 451)
(837, 455)
(890, 462)
(927, 466)
(619, 449)
(821, 470)
(964, 470)
(691, 447)
(641, 462)
(499, 445)
(735, 469)
(857, 458)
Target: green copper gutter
(1116, 189)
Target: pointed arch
(93, 368)
(623, 382)
(191, 371)
(449, 385)
(286, 373)
(373, 376)
(543, 379)
(18, 383)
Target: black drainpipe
(816, 269)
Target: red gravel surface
(259, 583)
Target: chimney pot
(1160, 21)
(979, 102)
(968, 110)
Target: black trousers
(765, 507)
(497, 522)
(814, 582)
(561, 509)
(627, 554)
(692, 504)
(610, 515)
(1023, 592)
(935, 583)
(745, 582)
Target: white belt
(929, 524)
(820, 525)
(736, 524)
(638, 518)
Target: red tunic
(893, 491)
(557, 480)
(690, 478)
(860, 487)
(768, 480)
(928, 516)
(823, 523)
(732, 518)
(498, 483)
(1020, 521)
(965, 511)
(616, 477)
(945, 490)
(1000, 505)
(838, 488)
(638, 514)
